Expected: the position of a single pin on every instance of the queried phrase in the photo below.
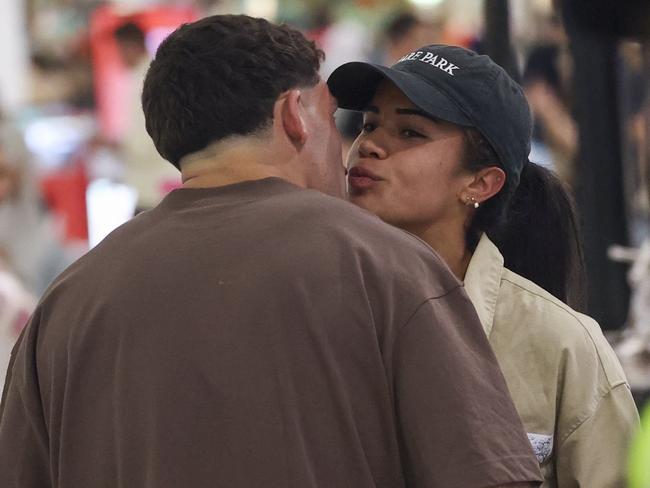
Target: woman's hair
(533, 223)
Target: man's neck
(221, 175)
(229, 163)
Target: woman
(444, 154)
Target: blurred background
(75, 159)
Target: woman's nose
(369, 147)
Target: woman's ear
(486, 183)
(290, 114)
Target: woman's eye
(368, 127)
(408, 133)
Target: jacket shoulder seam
(573, 428)
(612, 383)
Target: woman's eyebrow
(416, 111)
(403, 111)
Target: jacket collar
(483, 280)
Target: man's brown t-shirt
(258, 335)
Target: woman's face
(406, 167)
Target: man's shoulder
(363, 241)
(346, 220)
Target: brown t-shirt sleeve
(456, 421)
(24, 459)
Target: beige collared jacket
(564, 378)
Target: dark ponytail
(541, 238)
(535, 226)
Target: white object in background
(633, 345)
(108, 205)
(15, 83)
(261, 8)
(54, 138)
(155, 36)
(426, 3)
(639, 279)
(126, 7)
(345, 40)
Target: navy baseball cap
(453, 84)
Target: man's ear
(486, 183)
(291, 116)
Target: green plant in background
(639, 463)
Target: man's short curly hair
(220, 76)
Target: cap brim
(354, 85)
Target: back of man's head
(219, 77)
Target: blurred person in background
(404, 33)
(29, 236)
(145, 170)
(30, 254)
(342, 38)
(634, 109)
(16, 302)
(443, 154)
(254, 329)
(547, 81)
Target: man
(249, 331)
